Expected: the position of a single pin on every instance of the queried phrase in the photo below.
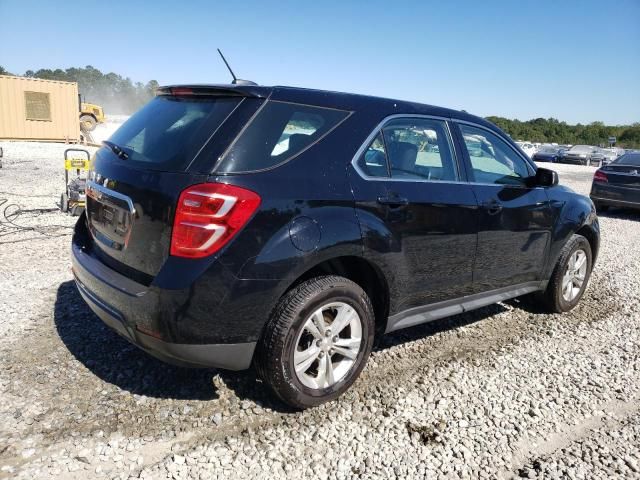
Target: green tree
(630, 136)
(551, 130)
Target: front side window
(492, 159)
(411, 149)
(279, 131)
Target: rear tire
(300, 358)
(569, 280)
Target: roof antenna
(236, 81)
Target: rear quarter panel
(307, 212)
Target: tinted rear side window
(168, 132)
(278, 133)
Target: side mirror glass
(546, 178)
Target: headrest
(403, 155)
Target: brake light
(208, 215)
(178, 91)
(600, 176)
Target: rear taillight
(208, 215)
(600, 176)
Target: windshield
(548, 149)
(582, 149)
(168, 132)
(628, 159)
(605, 152)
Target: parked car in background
(618, 183)
(580, 155)
(527, 148)
(548, 153)
(618, 151)
(606, 155)
(284, 228)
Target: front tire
(64, 203)
(87, 123)
(570, 276)
(317, 341)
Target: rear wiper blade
(116, 149)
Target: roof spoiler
(208, 90)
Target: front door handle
(493, 207)
(393, 201)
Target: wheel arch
(576, 214)
(360, 271)
(593, 237)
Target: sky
(577, 61)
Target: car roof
(340, 100)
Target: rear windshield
(167, 133)
(628, 159)
(278, 133)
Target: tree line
(550, 130)
(116, 94)
(121, 95)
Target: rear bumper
(109, 294)
(615, 195)
(612, 202)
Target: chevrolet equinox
(236, 225)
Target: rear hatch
(139, 173)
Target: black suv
(231, 225)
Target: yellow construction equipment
(90, 115)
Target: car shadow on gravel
(114, 360)
(620, 214)
(438, 326)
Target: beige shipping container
(37, 109)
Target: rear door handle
(492, 207)
(393, 201)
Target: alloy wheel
(574, 276)
(328, 345)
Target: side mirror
(546, 178)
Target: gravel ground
(501, 392)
